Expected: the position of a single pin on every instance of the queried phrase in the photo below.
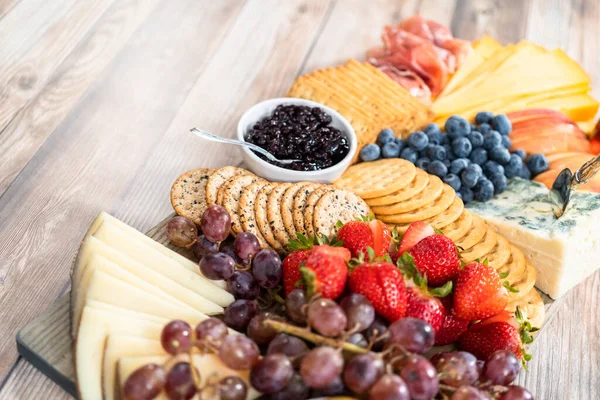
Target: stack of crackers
(399, 193)
(272, 211)
(366, 97)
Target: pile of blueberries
(474, 159)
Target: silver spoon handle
(215, 138)
(586, 172)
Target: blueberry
(447, 163)
(470, 175)
(370, 152)
(466, 194)
(511, 171)
(449, 153)
(437, 168)
(502, 124)
(409, 154)
(506, 142)
(462, 147)
(453, 181)
(499, 181)
(478, 156)
(483, 190)
(458, 165)
(418, 140)
(385, 136)
(537, 163)
(491, 139)
(400, 142)
(483, 117)
(434, 133)
(437, 152)
(492, 167)
(524, 172)
(500, 155)
(423, 163)
(515, 161)
(473, 127)
(476, 139)
(521, 153)
(457, 126)
(390, 150)
(445, 140)
(484, 128)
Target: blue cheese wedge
(563, 251)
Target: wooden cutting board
(47, 344)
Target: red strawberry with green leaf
(452, 327)
(416, 232)
(292, 277)
(479, 293)
(325, 271)
(358, 236)
(501, 332)
(426, 307)
(436, 257)
(382, 283)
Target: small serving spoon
(215, 138)
(567, 181)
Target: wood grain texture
(104, 126)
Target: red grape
(212, 329)
(420, 377)
(266, 268)
(412, 334)
(246, 245)
(230, 251)
(272, 373)
(295, 390)
(389, 387)
(358, 339)
(363, 371)
(335, 388)
(215, 223)
(501, 368)
(239, 313)
(176, 337)
(377, 329)
(259, 332)
(145, 383)
(359, 311)
(238, 352)
(291, 346)
(232, 388)
(243, 286)
(457, 368)
(326, 317)
(203, 247)
(180, 382)
(468, 393)
(516, 393)
(294, 306)
(182, 231)
(217, 266)
(321, 366)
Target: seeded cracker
(188, 194)
(218, 178)
(232, 192)
(299, 206)
(309, 208)
(260, 213)
(246, 211)
(334, 206)
(274, 214)
(287, 205)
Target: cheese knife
(567, 181)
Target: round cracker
(524, 284)
(287, 205)
(515, 266)
(377, 178)
(474, 235)
(188, 194)
(432, 191)
(218, 178)
(460, 227)
(246, 214)
(447, 216)
(476, 252)
(309, 208)
(232, 192)
(262, 220)
(442, 203)
(299, 204)
(500, 254)
(274, 213)
(334, 206)
(417, 185)
(532, 307)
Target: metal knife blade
(566, 182)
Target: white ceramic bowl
(274, 173)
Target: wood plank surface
(97, 97)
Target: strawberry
(416, 232)
(423, 306)
(437, 258)
(382, 283)
(504, 331)
(478, 293)
(452, 327)
(292, 277)
(325, 271)
(358, 236)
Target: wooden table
(97, 96)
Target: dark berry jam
(300, 132)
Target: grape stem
(313, 337)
